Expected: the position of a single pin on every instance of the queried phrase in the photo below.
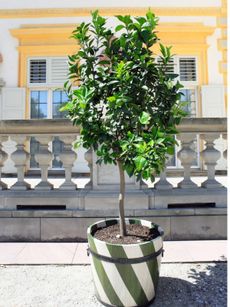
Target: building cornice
(109, 11)
(54, 40)
(60, 34)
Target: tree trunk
(121, 200)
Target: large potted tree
(128, 105)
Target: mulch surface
(135, 234)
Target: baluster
(3, 157)
(89, 159)
(68, 156)
(225, 153)
(44, 158)
(20, 157)
(163, 183)
(210, 155)
(186, 155)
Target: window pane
(64, 97)
(34, 111)
(189, 96)
(57, 149)
(42, 110)
(34, 148)
(38, 104)
(34, 97)
(194, 147)
(172, 159)
(43, 96)
(59, 97)
(57, 113)
(56, 96)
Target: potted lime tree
(128, 106)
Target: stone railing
(20, 131)
(185, 211)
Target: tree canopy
(126, 101)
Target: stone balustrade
(68, 205)
(20, 131)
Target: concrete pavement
(76, 253)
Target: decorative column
(163, 183)
(186, 155)
(89, 159)
(210, 155)
(44, 158)
(3, 157)
(20, 157)
(68, 156)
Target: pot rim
(160, 230)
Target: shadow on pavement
(205, 288)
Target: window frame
(187, 85)
(48, 87)
(48, 82)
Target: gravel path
(180, 285)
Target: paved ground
(75, 253)
(180, 285)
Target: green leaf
(129, 169)
(141, 147)
(121, 18)
(68, 106)
(162, 49)
(144, 118)
(141, 20)
(77, 144)
(81, 53)
(160, 140)
(170, 150)
(139, 161)
(104, 62)
(119, 28)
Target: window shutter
(187, 69)
(170, 67)
(37, 71)
(59, 70)
(213, 102)
(13, 103)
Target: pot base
(108, 305)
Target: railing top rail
(203, 125)
(65, 126)
(38, 127)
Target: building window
(186, 68)
(59, 97)
(47, 71)
(46, 77)
(38, 104)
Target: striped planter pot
(127, 274)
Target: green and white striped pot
(125, 274)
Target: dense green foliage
(127, 104)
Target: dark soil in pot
(135, 234)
